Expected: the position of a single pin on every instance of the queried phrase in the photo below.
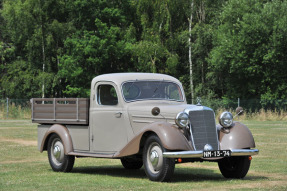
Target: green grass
(23, 167)
(15, 112)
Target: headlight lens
(226, 119)
(182, 119)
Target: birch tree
(190, 53)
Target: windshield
(151, 90)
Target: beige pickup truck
(144, 120)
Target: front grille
(203, 129)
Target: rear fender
(236, 137)
(63, 133)
(171, 138)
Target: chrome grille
(203, 129)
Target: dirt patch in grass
(10, 128)
(22, 161)
(20, 141)
(15, 121)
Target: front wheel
(234, 167)
(57, 158)
(156, 167)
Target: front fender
(171, 138)
(63, 133)
(237, 137)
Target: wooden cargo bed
(60, 110)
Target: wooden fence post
(7, 107)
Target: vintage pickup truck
(144, 120)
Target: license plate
(217, 153)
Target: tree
(33, 27)
(222, 48)
(189, 51)
(248, 58)
(99, 45)
(151, 52)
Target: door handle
(118, 114)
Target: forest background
(218, 49)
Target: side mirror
(239, 111)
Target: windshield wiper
(158, 86)
(128, 90)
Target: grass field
(23, 167)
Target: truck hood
(140, 113)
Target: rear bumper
(199, 154)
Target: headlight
(182, 119)
(226, 119)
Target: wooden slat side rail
(60, 110)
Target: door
(108, 131)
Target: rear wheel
(131, 163)
(56, 154)
(157, 168)
(234, 167)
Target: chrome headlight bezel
(182, 119)
(226, 119)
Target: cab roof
(119, 78)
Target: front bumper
(199, 154)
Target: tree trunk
(43, 48)
(201, 18)
(44, 58)
(189, 55)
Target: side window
(107, 95)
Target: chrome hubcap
(154, 158)
(57, 151)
